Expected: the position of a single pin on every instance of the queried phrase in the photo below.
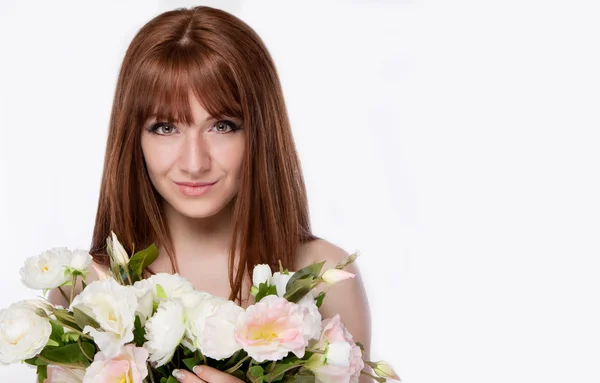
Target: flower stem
(126, 268)
(232, 369)
(73, 289)
(62, 292)
(150, 373)
(82, 351)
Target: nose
(195, 155)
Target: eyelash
(155, 127)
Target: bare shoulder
(348, 299)
(320, 250)
(95, 272)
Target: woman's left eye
(225, 126)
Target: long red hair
(228, 68)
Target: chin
(199, 209)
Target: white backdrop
(454, 143)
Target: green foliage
(255, 374)
(42, 373)
(299, 289)
(263, 290)
(160, 292)
(70, 353)
(66, 318)
(138, 332)
(319, 299)
(313, 270)
(82, 319)
(140, 260)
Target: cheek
(229, 154)
(159, 159)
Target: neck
(200, 237)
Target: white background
(454, 143)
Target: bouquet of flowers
(129, 329)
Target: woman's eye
(225, 126)
(162, 128)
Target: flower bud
(333, 276)
(384, 370)
(117, 251)
(261, 274)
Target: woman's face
(195, 168)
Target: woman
(200, 160)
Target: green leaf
(319, 299)
(142, 259)
(70, 337)
(263, 288)
(280, 369)
(190, 363)
(42, 373)
(304, 376)
(82, 319)
(160, 292)
(298, 289)
(171, 379)
(83, 283)
(35, 361)
(362, 348)
(57, 333)
(163, 380)
(313, 270)
(256, 374)
(139, 333)
(52, 343)
(69, 354)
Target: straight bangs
(165, 82)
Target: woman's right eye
(162, 129)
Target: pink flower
(272, 328)
(128, 366)
(334, 333)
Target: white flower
(67, 375)
(261, 274)
(23, 333)
(280, 281)
(333, 276)
(164, 332)
(218, 338)
(116, 250)
(145, 303)
(198, 307)
(80, 261)
(338, 354)
(113, 306)
(47, 270)
(172, 285)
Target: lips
(194, 189)
(195, 184)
